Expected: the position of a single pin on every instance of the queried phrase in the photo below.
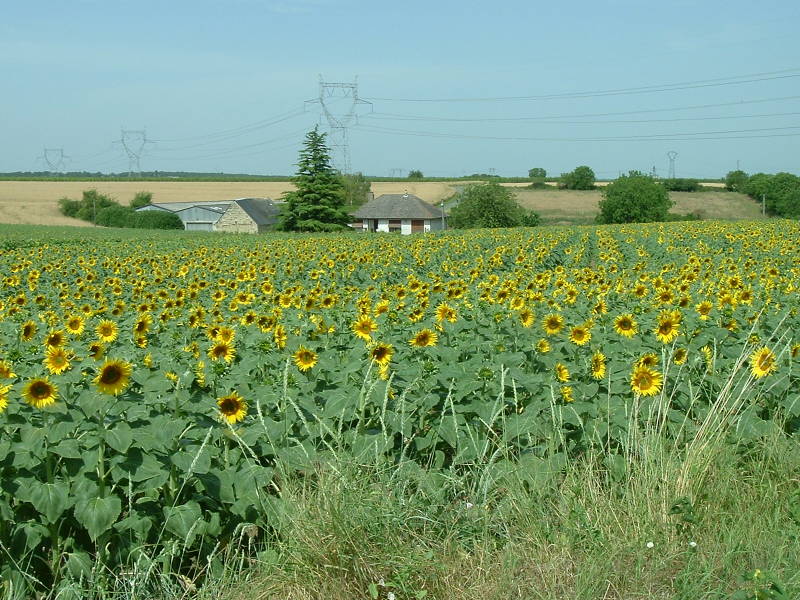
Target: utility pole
(763, 205)
(134, 143)
(339, 102)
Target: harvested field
(569, 207)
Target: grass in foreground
(591, 532)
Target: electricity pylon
(134, 143)
(55, 159)
(339, 102)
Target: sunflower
(667, 328)
(142, 325)
(445, 312)
(424, 338)
(542, 346)
(382, 353)
(232, 407)
(279, 336)
(704, 309)
(225, 334)
(526, 317)
(645, 381)
(96, 350)
(4, 389)
(580, 335)
(598, 365)
(113, 377)
(553, 323)
(647, 360)
(562, 372)
(679, 356)
(566, 394)
(222, 351)
(381, 307)
(56, 360)
(6, 370)
(625, 325)
(54, 339)
(364, 327)
(39, 392)
(107, 331)
(762, 362)
(304, 358)
(28, 331)
(74, 325)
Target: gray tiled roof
(261, 210)
(397, 206)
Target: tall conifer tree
(318, 202)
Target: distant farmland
(36, 202)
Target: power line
(233, 133)
(557, 121)
(686, 85)
(662, 136)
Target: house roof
(261, 210)
(397, 206)
(176, 206)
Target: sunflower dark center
(111, 375)
(40, 390)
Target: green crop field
(585, 412)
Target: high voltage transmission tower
(55, 159)
(339, 102)
(672, 155)
(133, 142)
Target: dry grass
(577, 206)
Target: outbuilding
(399, 213)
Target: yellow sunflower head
(424, 338)
(55, 339)
(107, 331)
(553, 323)
(645, 381)
(364, 327)
(74, 325)
(39, 392)
(382, 353)
(305, 358)
(598, 365)
(4, 389)
(562, 372)
(232, 407)
(667, 328)
(222, 351)
(56, 360)
(28, 331)
(762, 362)
(580, 335)
(6, 370)
(625, 325)
(113, 377)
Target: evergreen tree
(318, 202)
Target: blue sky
(455, 87)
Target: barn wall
(235, 220)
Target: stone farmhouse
(243, 215)
(398, 213)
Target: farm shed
(248, 215)
(196, 216)
(398, 213)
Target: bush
(736, 181)
(103, 210)
(682, 185)
(489, 205)
(156, 219)
(779, 192)
(141, 199)
(116, 216)
(537, 173)
(538, 185)
(582, 178)
(634, 198)
(415, 174)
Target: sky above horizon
(449, 88)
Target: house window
(395, 225)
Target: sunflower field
(153, 391)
